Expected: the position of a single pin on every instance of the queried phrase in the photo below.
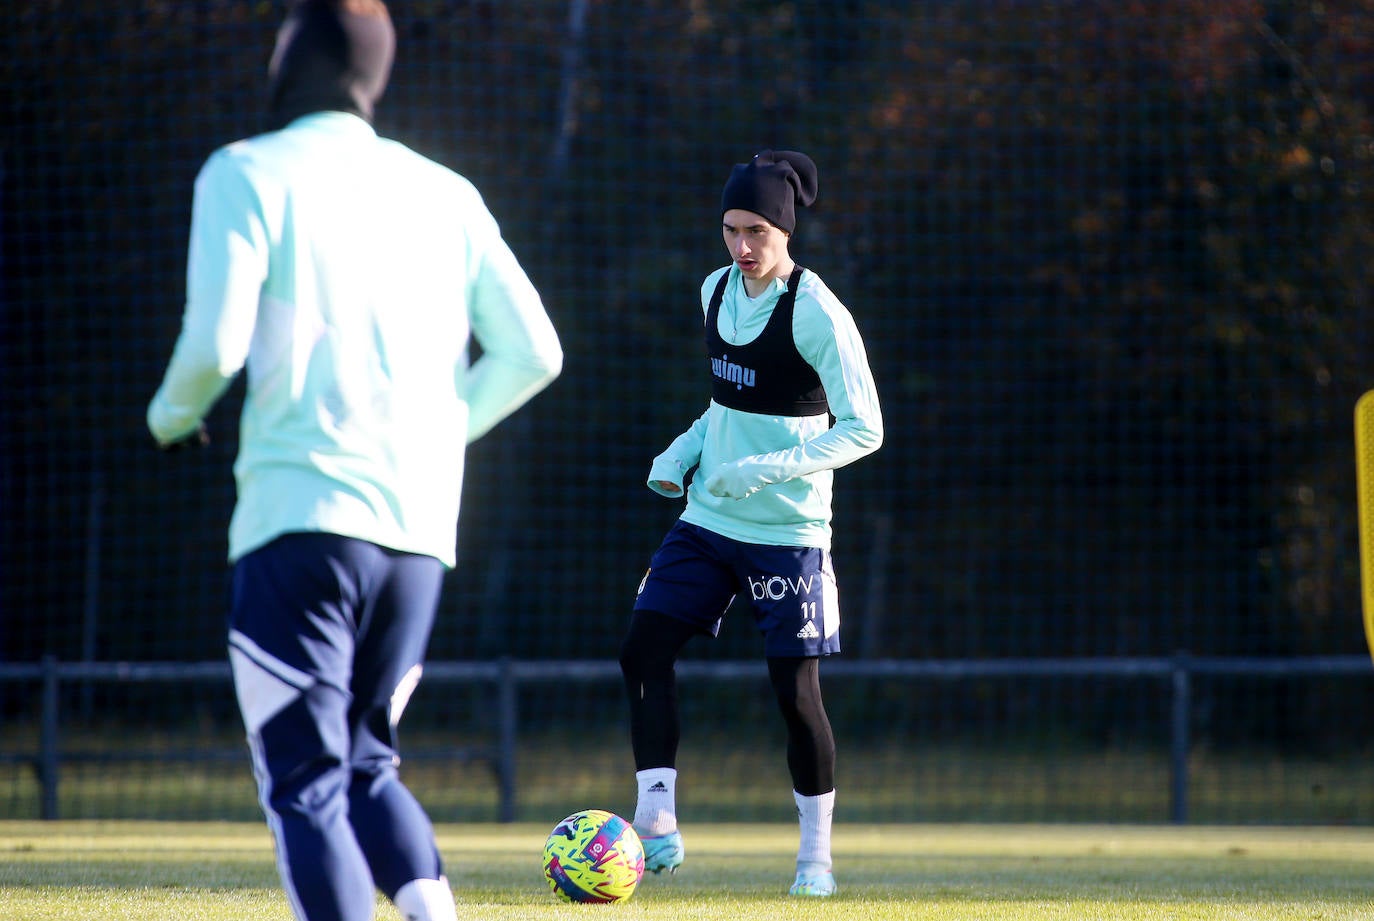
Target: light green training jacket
(768, 479)
(347, 274)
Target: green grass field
(173, 871)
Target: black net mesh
(1111, 261)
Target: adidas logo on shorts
(809, 631)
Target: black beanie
(772, 185)
(329, 59)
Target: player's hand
(668, 486)
(733, 481)
(197, 439)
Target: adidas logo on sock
(659, 787)
(808, 632)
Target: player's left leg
(391, 826)
(810, 739)
(291, 642)
(796, 606)
(811, 762)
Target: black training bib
(768, 375)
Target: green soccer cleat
(663, 852)
(813, 882)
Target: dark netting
(1112, 264)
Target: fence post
(47, 744)
(508, 714)
(1182, 708)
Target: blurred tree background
(1111, 259)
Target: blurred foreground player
(785, 359)
(347, 274)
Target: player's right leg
(684, 593)
(290, 650)
(647, 657)
(392, 827)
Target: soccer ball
(593, 856)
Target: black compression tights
(810, 742)
(647, 656)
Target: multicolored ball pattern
(593, 856)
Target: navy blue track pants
(327, 636)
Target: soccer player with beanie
(792, 399)
(347, 275)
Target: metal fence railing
(48, 756)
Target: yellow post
(1364, 491)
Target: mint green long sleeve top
(769, 479)
(348, 274)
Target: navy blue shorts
(696, 574)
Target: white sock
(814, 813)
(426, 900)
(656, 806)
